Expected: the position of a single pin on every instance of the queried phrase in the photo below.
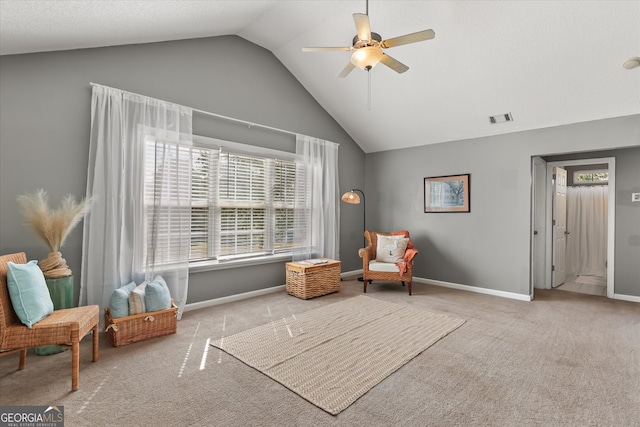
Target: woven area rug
(334, 354)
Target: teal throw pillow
(119, 301)
(28, 292)
(157, 295)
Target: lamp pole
(364, 215)
(353, 198)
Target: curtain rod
(207, 113)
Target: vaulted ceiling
(547, 63)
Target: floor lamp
(353, 198)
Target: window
(241, 203)
(591, 176)
(166, 190)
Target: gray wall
(490, 246)
(627, 250)
(44, 134)
(45, 116)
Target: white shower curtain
(587, 212)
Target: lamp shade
(366, 57)
(351, 197)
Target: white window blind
(167, 188)
(243, 200)
(241, 205)
(203, 183)
(283, 204)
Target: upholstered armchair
(64, 327)
(390, 259)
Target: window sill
(209, 265)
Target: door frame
(611, 219)
(538, 223)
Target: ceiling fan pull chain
(369, 89)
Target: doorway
(543, 257)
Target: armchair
(376, 270)
(63, 327)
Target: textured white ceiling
(548, 63)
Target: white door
(559, 226)
(538, 226)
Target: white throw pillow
(391, 248)
(136, 300)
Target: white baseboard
(238, 297)
(503, 294)
(351, 273)
(458, 286)
(631, 298)
(231, 298)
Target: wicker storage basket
(308, 281)
(140, 327)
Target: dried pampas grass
(53, 225)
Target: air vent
(501, 118)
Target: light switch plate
(635, 197)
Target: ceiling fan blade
(394, 64)
(363, 29)
(346, 70)
(325, 49)
(408, 38)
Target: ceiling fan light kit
(367, 46)
(367, 57)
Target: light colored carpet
(563, 360)
(334, 354)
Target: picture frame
(450, 193)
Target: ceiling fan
(367, 46)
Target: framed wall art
(451, 193)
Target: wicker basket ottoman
(307, 280)
(140, 327)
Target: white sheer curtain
(126, 235)
(317, 230)
(587, 212)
